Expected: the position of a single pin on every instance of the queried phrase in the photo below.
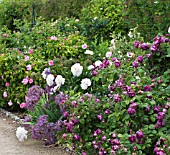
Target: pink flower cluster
(27, 80)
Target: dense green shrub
(150, 16)
(99, 18)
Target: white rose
(85, 83)
(21, 133)
(59, 80)
(90, 67)
(50, 79)
(98, 63)
(76, 69)
(88, 52)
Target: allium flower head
(85, 83)
(21, 133)
(77, 69)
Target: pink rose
(5, 95)
(25, 81)
(4, 35)
(26, 58)
(23, 105)
(53, 38)
(50, 62)
(7, 84)
(29, 67)
(84, 46)
(30, 81)
(31, 51)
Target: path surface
(9, 144)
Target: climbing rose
(85, 83)
(76, 69)
(59, 80)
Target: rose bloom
(23, 105)
(76, 69)
(29, 67)
(50, 79)
(84, 46)
(53, 38)
(25, 81)
(85, 83)
(50, 62)
(31, 51)
(26, 58)
(59, 80)
(7, 84)
(5, 95)
(30, 81)
(10, 103)
(108, 54)
(88, 52)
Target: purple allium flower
(94, 73)
(76, 137)
(117, 98)
(117, 63)
(131, 111)
(135, 64)
(139, 134)
(136, 44)
(140, 59)
(147, 88)
(42, 120)
(144, 46)
(132, 138)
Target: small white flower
(90, 67)
(137, 77)
(85, 83)
(50, 79)
(95, 18)
(59, 80)
(169, 30)
(112, 41)
(21, 133)
(130, 34)
(77, 20)
(44, 75)
(98, 63)
(108, 54)
(77, 69)
(88, 52)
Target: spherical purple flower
(161, 115)
(136, 44)
(133, 105)
(140, 59)
(131, 93)
(135, 64)
(139, 134)
(131, 111)
(147, 88)
(156, 108)
(106, 63)
(154, 48)
(132, 138)
(115, 142)
(144, 46)
(117, 63)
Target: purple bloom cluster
(45, 131)
(158, 151)
(117, 98)
(132, 108)
(138, 136)
(33, 96)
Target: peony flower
(77, 69)
(5, 95)
(108, 54)
(21, 133)
(85, 83)
(10, 103)
(29, 67)
(23, 105)
(30, 81)
(88, 52)
(50, 62)
(59, 80)
(98, 63)
(7, 84)
(53, 38)
(26, 58)
(84, 46)
(50, 79)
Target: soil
(10, 145)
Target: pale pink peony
(29, 67)
(7, 84)
(5, 95)
(26, 58)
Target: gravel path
(9, 144)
